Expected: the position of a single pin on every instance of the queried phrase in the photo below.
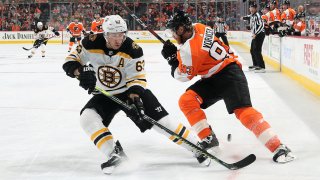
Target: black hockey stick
(139, 21)
(28, 49)
(234, 166)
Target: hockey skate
(283, 154)
(252, 68)
(207, 143)
(117, 156)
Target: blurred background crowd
(18, 15)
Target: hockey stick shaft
(140, 21)
(27, 49)
(240, 164)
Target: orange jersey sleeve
(203, 54)
(96, 26)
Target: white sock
(178, 128)
(91, 122)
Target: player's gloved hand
(38, 43)
(87, 78)
(137, 111)
(56, 33)
(85, 33)
(169, 52)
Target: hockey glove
(38, 43)
(137, 111)
(169, 52)
(87, 78)
(56, 33)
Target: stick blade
(243, 163)
(25, 49)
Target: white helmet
(39, 25)
(114, 24)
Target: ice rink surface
(41, 138)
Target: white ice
(41, 138)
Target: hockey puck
(229, 137)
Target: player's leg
(34, 49)
(71, 42)
(237, 100)
(78, 40)
(95, 119)
(43, 47)
(200, 96)
(224, 39)
(156, 111)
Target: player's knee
(90, 120)
(189, 101)
(248, 116)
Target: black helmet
(179, 19)
(267, 6)
(253, 4)
(273, 2)
(286, 2)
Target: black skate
(117, 156)
(209, 142)
(202, 159)
(283, 154)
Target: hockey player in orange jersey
(75, 28)
(96, 25)
(288, 13)
(222, 78)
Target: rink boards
(297, 57)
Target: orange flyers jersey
(288, 14)
(276, 14)
(300, 26)
(203, 54)
(96, 26)
(265, 18)
(269, 17)
(75, 29)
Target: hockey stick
(139, 21)
(234, 166)
(28, 49)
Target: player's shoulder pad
(131, 48)
(94, 41)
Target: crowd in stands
(19, 14)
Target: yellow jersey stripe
(124, 55)
(97, 51)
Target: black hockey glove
(137, 111)
(169, 52)
(87, 78)
(38, 43)
(56, 33)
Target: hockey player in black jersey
(41, 33)
(115, 63)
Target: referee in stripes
(221, 28)
(258, 35)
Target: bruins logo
(92, 37)
(109, 76)
(135, 46)
(79, 48)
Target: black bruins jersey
(116, 70)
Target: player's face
(115, 40)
